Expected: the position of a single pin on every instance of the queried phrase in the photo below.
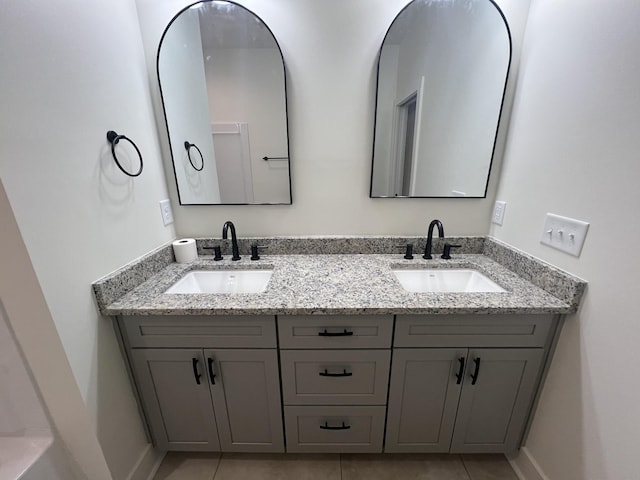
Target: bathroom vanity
(335, 355)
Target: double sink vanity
(339, 345)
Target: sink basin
(222, 281)
(446, 280)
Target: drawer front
(200, 331)
(357, 429)
(335, 331)
(472, 330)
(335, 377)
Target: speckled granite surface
(348, 284)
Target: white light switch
(498, 213)
(165, 210)
(563, 233)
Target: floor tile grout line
(217, 466)
(464, 465)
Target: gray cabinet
(475, 394)
(205, 395)
(175, 393)
(335, 374)
(211, 400)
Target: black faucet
(234, 239)
(427, 248)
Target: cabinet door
(246, 398)
(493, 409)
(423, 397)
(175, 393)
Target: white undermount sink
(222, 281)
(445, 280)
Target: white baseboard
(147, 465)
(526, 467)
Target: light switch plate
(563, 233)
(167, 213)
(498, 212)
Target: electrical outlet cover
(565, 234)
(498, 212)
(166, 212)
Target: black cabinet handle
(340, 427)
(460, 371)
(194, 363)
(212, 375)
(474, 375)
(344, 333)
(343, 374)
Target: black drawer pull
(460, 371)
(212, 375)
(341, 427)
(194, 364)
(343, 374)
(344, 333)
(474, 375)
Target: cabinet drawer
(335, 377)
(334, 429)
(200, 331)
(472, 330)
(335, 331)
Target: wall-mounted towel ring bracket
(113, 139)
(187, 147)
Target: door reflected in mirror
(223, 86)
(442, 73)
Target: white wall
(573, 150)
(330, 50)
(182, 72)
(71, 71)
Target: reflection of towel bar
(274, 158)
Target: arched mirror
(223, 86)
(442, 72)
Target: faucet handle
(217, 254)
(254, 251)
(446, 253)
(408, 253)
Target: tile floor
(237, 466)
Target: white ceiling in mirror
(223, 87)
(442, 73)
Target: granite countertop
(348, 284)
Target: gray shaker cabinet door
(423, 397)
(492, 413)
(246, 398)
(178, 408)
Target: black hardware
(274, 158)
(194, 363)
(113, 139)
(212, 376)
(187, 147)
(474, 375)
(335, 334)
(342, 427)
(217, 253)
(446, 253)
(427, 247)
(343, 374)
(254, 251)
(234, 240)
(460, 371)
(408, 253)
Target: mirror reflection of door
(460, 51)
(219, 64)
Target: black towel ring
(187, 147)
(113, 139)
